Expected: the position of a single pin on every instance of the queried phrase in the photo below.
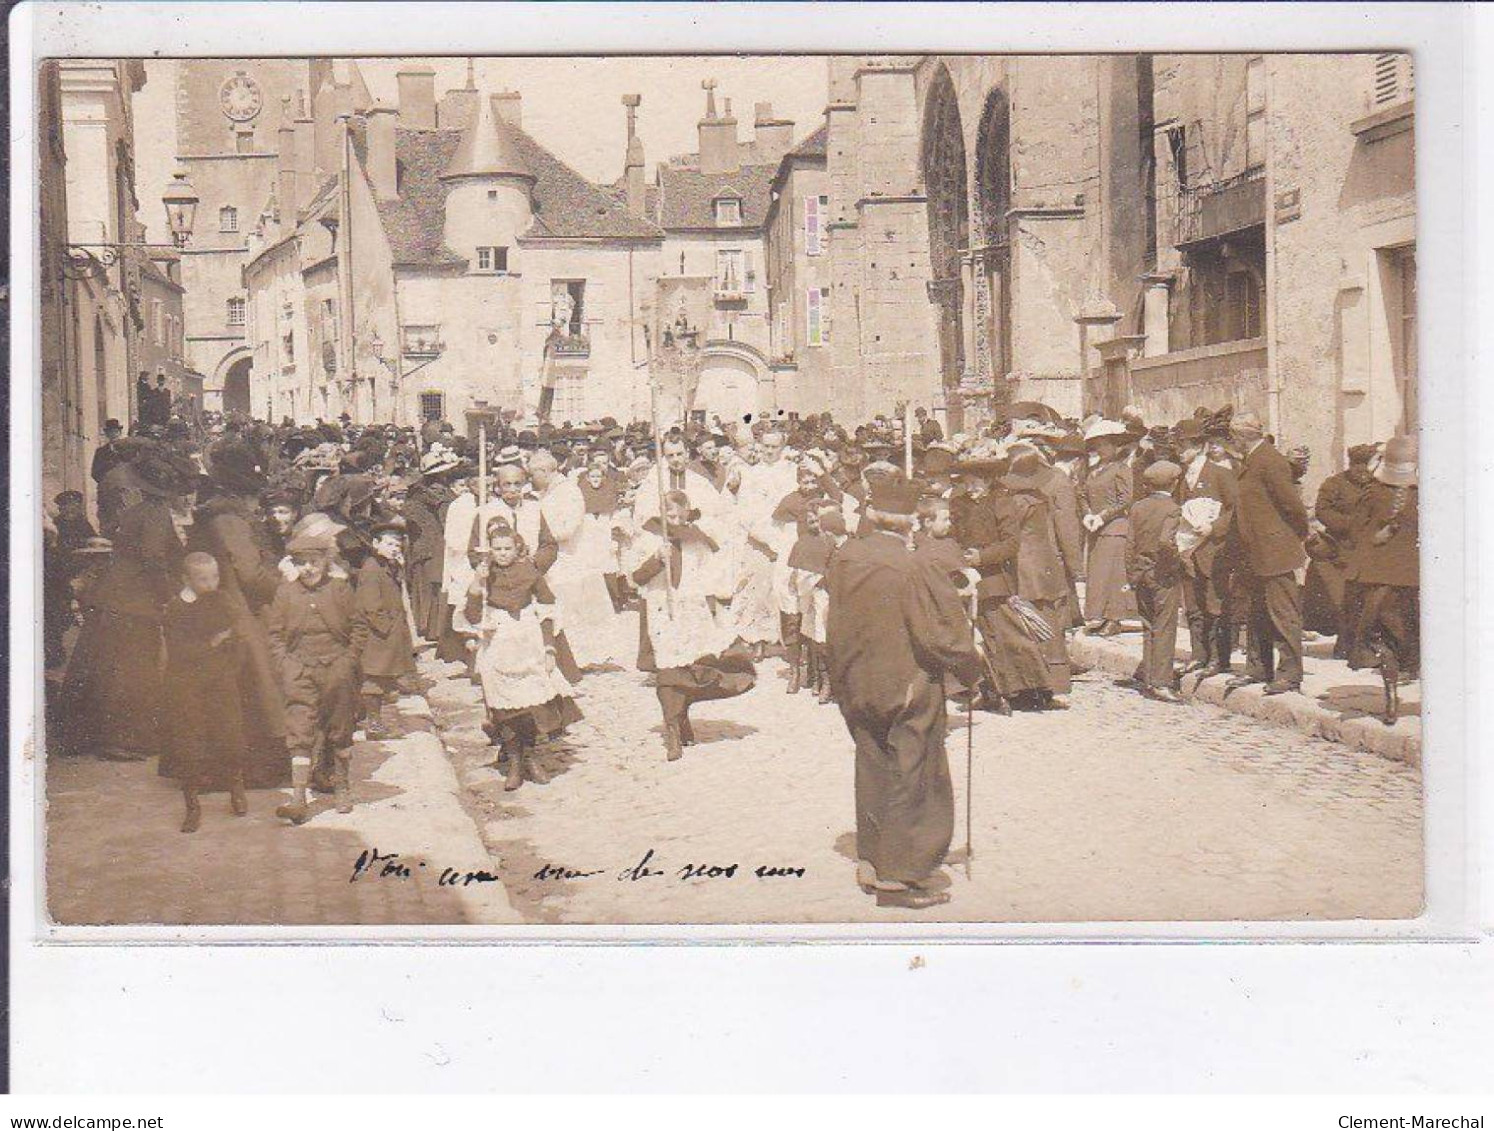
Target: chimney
(325, 105)
(287, 190)
(305, 156)
(458, 106)
(509, 106)
(633, 161)
(306, 182)
(417, 98)
(772, 137)
(718, 136)
(381, 165)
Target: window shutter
(812, 225)
(824, 314)
(749, 269)
(815, 326)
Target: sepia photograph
(580, 491)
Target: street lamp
(181, 208)
(88, 259)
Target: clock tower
(228, 114)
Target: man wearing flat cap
(1338, 510)
(1270, 527)
(895, 628)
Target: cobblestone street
(1120, 808)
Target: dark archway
(993, 194)
(236, 387)
(946, 185)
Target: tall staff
(482, 486)
(908, 439)
(653, 412)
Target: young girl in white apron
(508, 609)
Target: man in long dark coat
(1270, 526)
(895, 628)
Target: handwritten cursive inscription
(373, 864)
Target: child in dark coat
(206, 717)
(390, 650)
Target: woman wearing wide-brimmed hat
(1107, 497)
(111, 699)
(988, 526)
(1042, 579)
(1385, 563)
(425, 508)
(228, 526)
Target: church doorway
(945, 181)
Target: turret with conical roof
(488, 149)
(489, 186)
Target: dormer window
(728, 211)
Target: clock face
(240, 98)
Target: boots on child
(297, 811)
(238, 799)
(343, 789)
(193, 820)
(373, 725)
(789, 625)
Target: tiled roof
(567, 206)
(812, 146)
(685, 195)
(414, 222)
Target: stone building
(91, 285)
(977, 205)
(1093, 231)
(797, 250)
(161, 345)
(479, 269)
(485, 275)
(229, 114)
(713, 209)
(1284, 272)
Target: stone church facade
(1097, 231)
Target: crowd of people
(255, 595)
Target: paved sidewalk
(1335, 702)
(116, 855)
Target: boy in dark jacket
(317, 636)
(1155, 570)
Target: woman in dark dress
(111, 698)
(228, 526)
(988, 528)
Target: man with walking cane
(896, 627)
